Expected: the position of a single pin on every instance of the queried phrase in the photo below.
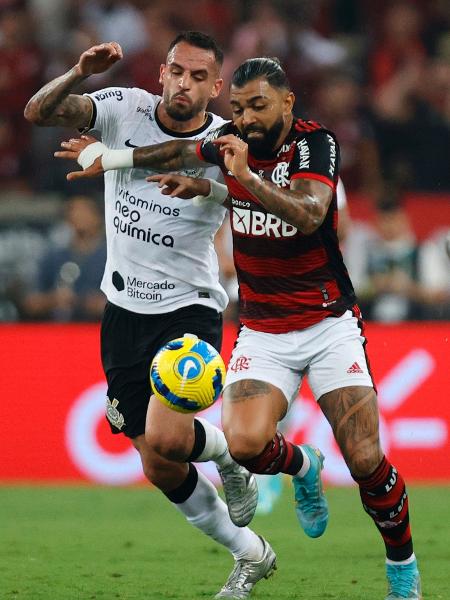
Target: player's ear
(162, 70)
(289, 102)
(218, 84)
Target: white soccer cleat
(246, 573)
(241, 493)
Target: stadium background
(379, 76)
(377, 73)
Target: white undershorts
(330, 353)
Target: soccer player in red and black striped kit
(297, 305)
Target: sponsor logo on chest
(256, 223)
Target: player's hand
(235, 153)
(181, 186)
(99, 59)
(72, 150)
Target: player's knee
(364, 461)
(169, 445)
(244, 446)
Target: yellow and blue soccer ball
(187, 374)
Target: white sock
(216, 447)
(306, 464)
(208, 512)
(408, 561)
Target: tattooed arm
(96, 158)
(55, 105)
(304, 205)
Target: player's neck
(180, 126)
(284, 132)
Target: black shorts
(129, 341)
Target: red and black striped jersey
(287, 280)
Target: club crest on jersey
(113, 415)
(280, 175)
(252, 222)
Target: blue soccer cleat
(311, 505)
(404, 581)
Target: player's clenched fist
(99, 59)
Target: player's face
(190, 79)
(261, 113)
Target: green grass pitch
(64, 543)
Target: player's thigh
(261, 383)
(251, 410)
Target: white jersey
(161, 254)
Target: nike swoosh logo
(190, 364)
(129, 144)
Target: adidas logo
(355, 368)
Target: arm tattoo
(168, 156)
(299, 207)
(52, 105)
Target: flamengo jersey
(161, 255)
(287, 280)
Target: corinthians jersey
(160, 255)
(287, 280)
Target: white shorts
(330, 353)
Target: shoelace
(239, 575)
(401, 579)
(237, 479)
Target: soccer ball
(187, 374)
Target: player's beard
(183, 112)
(264, 146)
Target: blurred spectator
(21, 65)
(392, 292)
(413, 128)
(22, 244)
(143, 66)
(68, 281)
(310, 51)
(399, 46)
(434, 274)
(263, 34)
(114, 20)
(337, 103)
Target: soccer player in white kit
(161, 281)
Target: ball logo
(189, 368)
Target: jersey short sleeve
(114, 106)
(316, 157)
(208, 151)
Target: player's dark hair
(199, 40)
(253, 68)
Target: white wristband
(90, 153)
(218, 193)
(117, 159)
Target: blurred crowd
(377, 73)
